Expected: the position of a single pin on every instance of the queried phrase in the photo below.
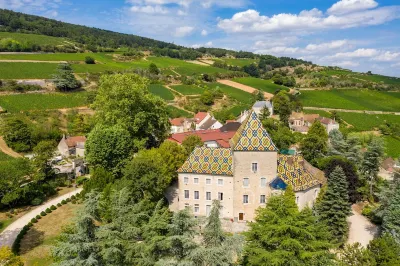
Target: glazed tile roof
(295, 171)
(205, 135)
(251, 136)
(212, 161)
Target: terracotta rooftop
(177, 121)
(221, 138)
(200, 116)
(327, 121)
(72, 141)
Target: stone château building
(244, 175)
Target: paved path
(7, 150)
(351, 111)
(361, 229)
(243, 87)
(8, 236)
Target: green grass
(161, 91)
(379, 79)
(367, 122)
(5, 223)
(188, 89)
(320, 112)
(27, 70)
(236, 94)
(261, 84)
(4, 157)
(352, 99)
(176, 112)
(25, 102)
(33, 38)
(238, 62)
(392, 147)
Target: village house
(181, 124)
(243, 176)
(300, 122)
(257, 108)
(72, 146)
(329, 124)
(204, 121)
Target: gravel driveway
(361, 229)
(8, 236)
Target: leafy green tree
(99, 179)
(281, 235)
(337, 143)
(153, 69)
(355, 255)
(18, 135)
(109, 147)
(124, 99)
(353, 152)
(207, 98)
(44, 152)
(315, 144)
(282, 106)
(258, 96)
(265, 114)
(385, 250)
(90, 60)
(391, 213)
(371, 162)
(65, 80)
(190, 143)
(173, 155)
(334, 207)
(8, 258)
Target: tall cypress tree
(334, 207)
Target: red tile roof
(177, 121)
(72, 141)
(222, 138)
(200, 116)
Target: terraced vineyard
(27, 70)
(366, 122)
(34, 38)
(188, 89)
(261, 84)
(161, 91)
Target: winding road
(7, 150)
(8, 236)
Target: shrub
(63, 202)
(59, 205)
(73, 197)
(43, 214)
(48, 210)
(36, 201)
(82, 179)
(89, 60)
(73, 201)
(53, 207)
(30, 224)
(68, 200)
(34, 220)
(38, 217)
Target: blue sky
(357, 34)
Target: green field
(33, 38)
(161, 91)
(176, 112)
(238, 62)
(320, 112)
(352, 99)
(27, 70)
(379, 78)
(188, 89)
(392, 147)
(366, 122)
(4, 157)
(236, 94)
(261, 84)
(25, 102)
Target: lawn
(236, 94)
(188, 89)
(352, 99)
(392, 146)
(4, 157)
(261, 84)
(367, 122)
(33, 38)
(176, 112)
(161, 91)
(10, 70)
(38, 241)
(25, 102)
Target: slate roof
(295, 171)
(212, 161)
(251, 136)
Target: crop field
(366, 122)
(392, 147)
(237, 62)
(188, 89)
(26, 70)
(161, 91)
(261, 84)
(352, 99)
(236, 94)
(33, 38)
(379, 78)
(176, 112)
(25, 102)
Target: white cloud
(209, 44)
(359, 53)
(251, 21)
(346, 64)
(224, 3)
(39, 7)
(195, 46)
(279, 51)
(387, 56)
(149, 9)
(184, 3)
(183, 31)
(348, 6)
(204, 33)
(328, 46)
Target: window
(254, 167)
(220, 182)
(196, 180)
(186, 180)
(208, 195)
(220, 196)
(196, 208)
(245, 198)
(186, 194)
(208, 181)
(263, 182)
(196, 195)
(186, 205)
(262, 198)
(208, 210)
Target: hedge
(59, 205)
(48, 210)
(63, 202)
(43, 213)
(38, 217)
(53, 207)
(34, 220)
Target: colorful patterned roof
(212, 161)
(251, 136)
(292, 170)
